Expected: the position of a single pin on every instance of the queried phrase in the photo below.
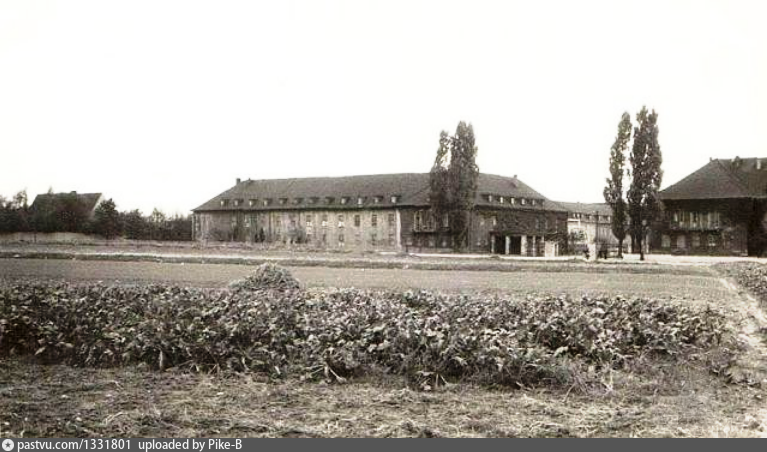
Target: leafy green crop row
(347, 332)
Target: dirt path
(751, 365)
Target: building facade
(589, 223)
(720, 209)
(381, 212)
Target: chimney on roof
(758, 164)
(73, 192)
(238, 181)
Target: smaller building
(589, 223)
(64, 212)
(82, 202)
(720, 209)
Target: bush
(338, 334)
(267, 276)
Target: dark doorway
(515, 244)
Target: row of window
(391, 220)
(500, 199)
(341, 239)
(681, 241)
(328, 200)
(695, 220)
(589, 217)
(431, 241)
(494, 222)
(425, 221)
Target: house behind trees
(384, 211)
(64, 212)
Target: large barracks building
(380, 212)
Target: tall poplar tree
(613, 191)
(453, 181)
(646, 176)
(438, 182)
(462, 180)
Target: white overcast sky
(164, 103)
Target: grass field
(687, 282)
(664, 399)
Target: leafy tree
(14, 213)
(106, 220)
(438, 177)
(179, 228)
(453, 181)
(20, 200)
(613, 192)
(646, 175)
(42, 219)
(157, 216)
(134, 225)
(7, 217)
(462, 180)
(157, 224)
(70, 214)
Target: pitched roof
(587, 208)
(49, 201)
(722, 179)
(412, 189)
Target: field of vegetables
(592, 365)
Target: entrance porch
(520, 245)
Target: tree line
(68, 214)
